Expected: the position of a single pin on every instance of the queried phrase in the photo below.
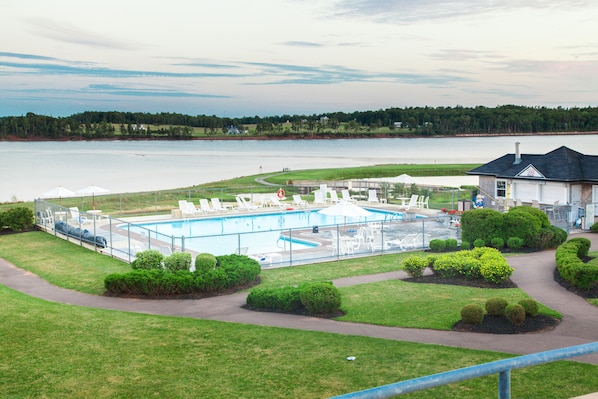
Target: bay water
(28, 169)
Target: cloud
(138, 92)
(412, 11)
(301, 44)
(70, 33)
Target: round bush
(415, 265)
(496, 306)
(148, 260)
(479, 243)
(472, 314)
(437, 245)
(205, 262)
(320, 298)
(530, 306)
(515, 242)
(465, 245)
(515, 313)
(497, 242)
(178, 261)
(451, 244)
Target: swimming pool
(259, 232)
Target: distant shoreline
(345, 136)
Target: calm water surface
(29, 169)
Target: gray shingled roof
(562, 164)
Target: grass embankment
(165, 200)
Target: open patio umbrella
(345, 209)
(93, 190)
(405, 179)
(58, 192)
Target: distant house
(235, 130)
(560, 177)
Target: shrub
(515, 313)
(17, 219)
(594, 228)
(415, 265)
(285, 299)
(515, 242)
(178, 261)
(496, 306)
(205, 262)
(148, 260)
(572, 268)
(522, 224)
(451, 244)
(479, 243)
(320, 298)
(465, 245)
(481, 223)
(233, 271)
(497, 242)
(494, 268)
(437, 245)
(551, 237)
(530, 306)
(583, 246)
(472, 314)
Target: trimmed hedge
(415, 265)
(17, 219)
(233, 271)
(314, 298)
(472, 314)
(478, 263)
(570, 266)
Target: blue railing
(502, 367)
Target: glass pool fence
(272, 246)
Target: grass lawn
(59, 350)
(52, 350)
(397, 303)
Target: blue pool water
(226, 233)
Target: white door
(552, 192)
(525, 191)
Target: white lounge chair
(244, 205)
(276, 202)
(319, 197)
(192, 210)
(76, 217)
(347, 196)
(205, 207)
(373, 196)
(422, 202)
(334, 197)
(298, 201)
(412, 202)
(217, 205)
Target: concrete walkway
(533, 274)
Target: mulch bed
(491, 324)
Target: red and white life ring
(280, 193)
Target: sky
(234, 58)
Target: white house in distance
(560, 178)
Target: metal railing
(502, 367)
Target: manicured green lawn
(52, 350)
(397, 303)
(57, 350)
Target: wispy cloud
(71, 33)
(301, 44)
(411, 11)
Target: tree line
(424, 121)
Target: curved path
(533, 274)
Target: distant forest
(420, 121)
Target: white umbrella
(345, 209)
(58, 192)
(93, 190)
(405, 179)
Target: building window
(501, 188)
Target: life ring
(280, 193)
